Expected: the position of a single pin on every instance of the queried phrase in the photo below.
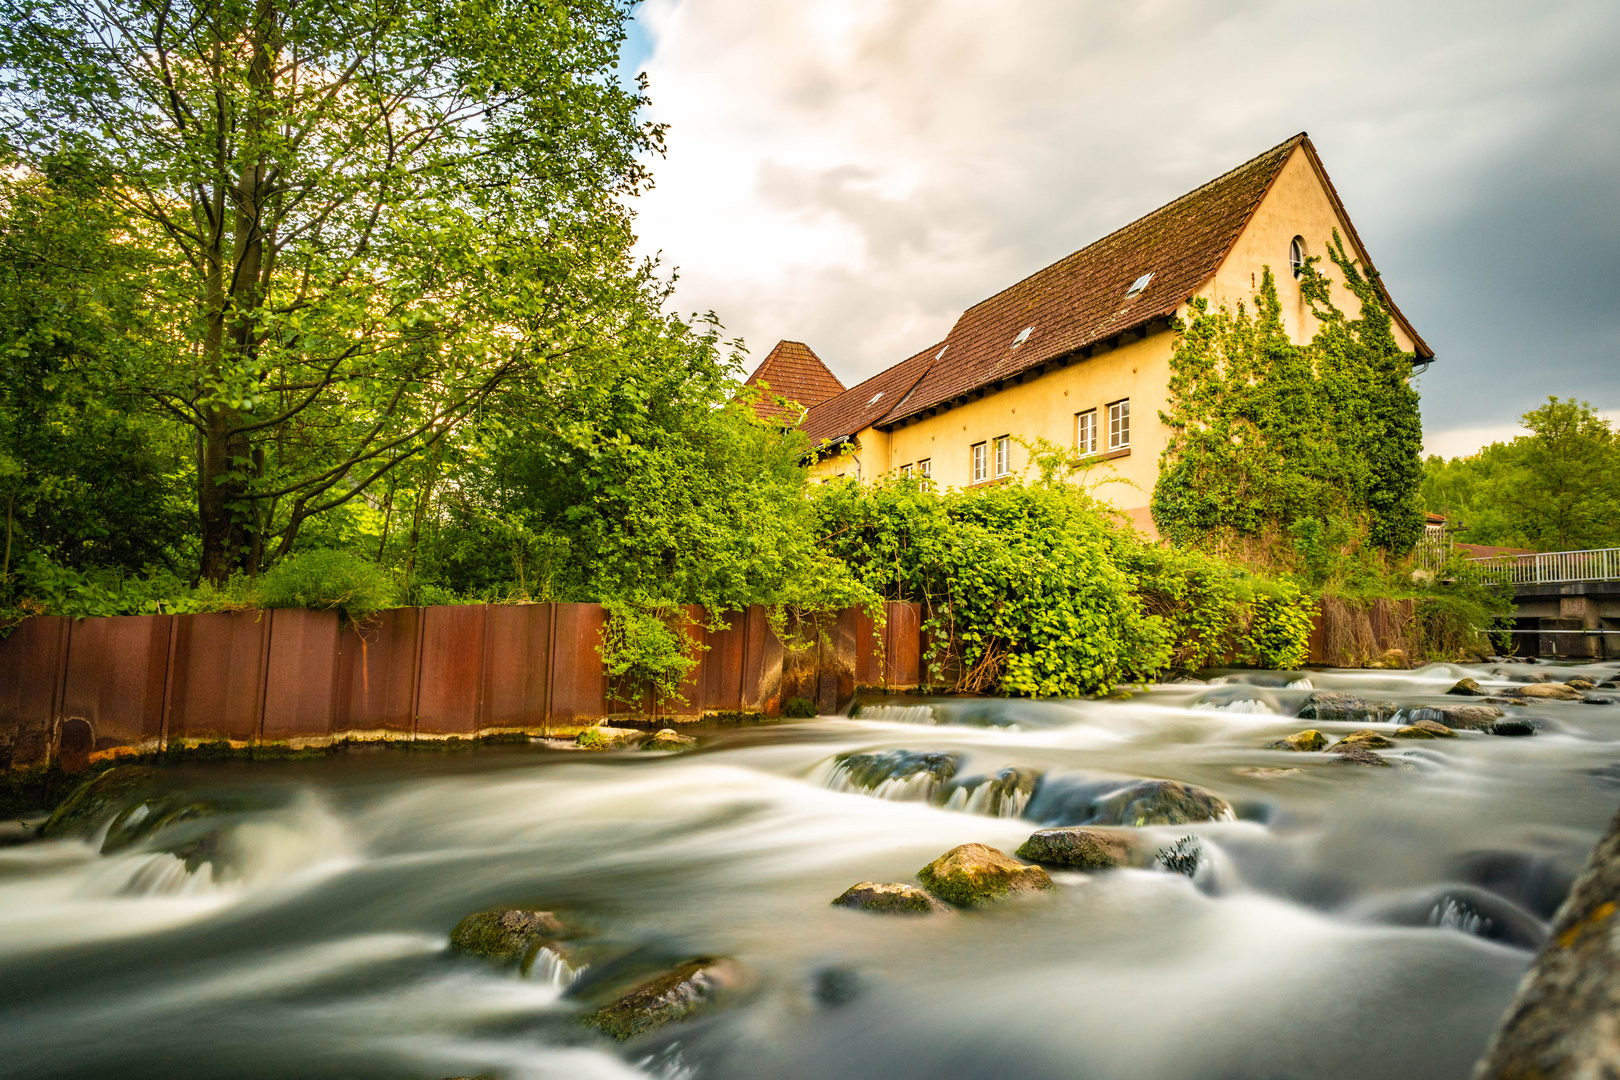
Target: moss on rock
(1425, 729)
(1077, 848)
(1307, 741)
(974, 874)
(1159, 802)
(669, 739)
(505, 936)
(1367, 740)
(888, 898)
(675, 995)
(604, 737)
(99, 799)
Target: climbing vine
(1292, 448)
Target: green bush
(799, 708)
(327, 580)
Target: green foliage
(1278, 634)
(1556, 488)
(799, 708)
(647, 647)
(326, 581)
(1269, 437)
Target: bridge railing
(1552, 567)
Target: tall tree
(367, 218)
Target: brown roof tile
(793, 371)
(866, 403)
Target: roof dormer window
(1023, 336)
(875, 397)
(1296, 255)
(1139, 284)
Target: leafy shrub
(799, 708)
(326, 580)
(1279, 631)
(640, 647)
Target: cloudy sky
(854, 173)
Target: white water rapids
(1350, 922)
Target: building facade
(1079, 352)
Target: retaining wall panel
(300, 698)
(762, 664)
(116, 671)
(691, 688)
(902, 646)
(871, 650)
(517, 665)
(377, 673)
(578, 678)
(31, 662)
(217, 685)
(723, 665)
(452, 674)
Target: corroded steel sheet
(902, 632)
(688, 701)
(578, 678)
(761, 664)
(452, 675)
(377, 673)
(216, 684)
(871, 650)
(517, 665)
(836, 654)
(31, 663)
(300, 698)
(722, 666)
(116, 672)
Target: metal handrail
(1553, 567)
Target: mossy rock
(1467, 688)
(1581, 684)
(1425, 729)
(1333, 705)
(888, 898)
(604, 737)
(1549, 691)
(675, 995)
(975, 874)
(1077, 848)
(1513, 727)
(669, 739)
(99, 799)
(1159, 802)
(866, 772)
(505, 936)
(1367, 740)
(1308, 741)
(1470, 717)
(1357, 755)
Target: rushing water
(1350, 922)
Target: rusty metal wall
(216, 676)
(449, 691)
(517, 665)
(117, 669)
(578, 679)
(377, 668)
(32, 661)
(301, 678)
(902, 634)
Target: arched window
(1296, 255)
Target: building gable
(793, 371)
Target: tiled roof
(863, 405)
(792, 371)
(1081, 300)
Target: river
(1349, 922)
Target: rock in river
(1305, 741)
(1332, 705)
(1078, 849)
(604, 737)
(1425, 729)
(1367, 740)
(505, 935)
(674, 995)
(976, 874)
(1467, 717)
(1159, 802)
(1513, 727)
(98, 799)
(669, 739)
(1550, 691)
(1467, 688)
(1356, 755)
(889, 899)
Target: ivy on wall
(1292, 449)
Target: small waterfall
(550, 969)
(1458, 915)
(1412, 716)
(1005, 794)
(896, 775)
(1300, 684)
(897, 714)
(1242, 705)
(162, 874)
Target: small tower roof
(793, 371)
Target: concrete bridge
(1568, 601)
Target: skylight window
(1023, 336)
(941, 352)
(875, 397)
(1139, 284)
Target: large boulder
(1077, 849)
(975, 874)
(505, 935)
(1307, 741)
(1561, 1026)
(894, 774)
(1467, 688)
(675, 995)
(892, 898)
(1549, 691)
(1159, 802)
(1333, 705)
(1466, 717)
(1425, 729)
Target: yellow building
(1079, 353)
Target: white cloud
(853, 173)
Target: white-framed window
(1003, 454)
(981, 462)
(1085, 431)
(1119, 425)
(1296, 255)
(926, 467)
(905, 470)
